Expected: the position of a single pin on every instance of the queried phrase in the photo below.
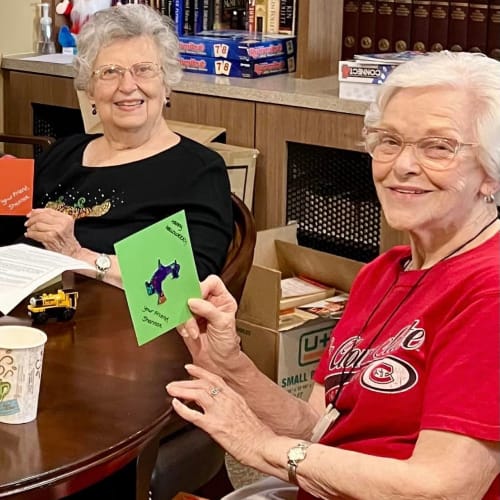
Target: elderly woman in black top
(93, 190)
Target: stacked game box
(360, 77)
(236, 53)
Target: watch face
(103, 262)
(297, 453)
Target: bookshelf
(319, 36)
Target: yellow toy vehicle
(60, 305)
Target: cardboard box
(237, 69)
(237, 45)
(290, 357)
(240, 163)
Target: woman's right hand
(211, 336)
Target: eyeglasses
(139, 71)
(436, 153)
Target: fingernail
(193, 332)
(183, 332)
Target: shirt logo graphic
(389, 375)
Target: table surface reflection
(102, 399)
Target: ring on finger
(214, 391)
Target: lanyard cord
(345, 376)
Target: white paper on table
(24, 268)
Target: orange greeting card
(16, 186)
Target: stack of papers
(24, 269)
(300, 290)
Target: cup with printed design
(21, 358)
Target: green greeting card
(159, 276)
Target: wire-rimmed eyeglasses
(436, 153)
(139, 71)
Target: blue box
(240, 69)
(237, 46)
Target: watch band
(295, 456)
(292, 473)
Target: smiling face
(129, 104)
(418, 199)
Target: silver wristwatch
(102, 265)
(295, 456)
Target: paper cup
(21, 356)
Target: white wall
(18, 32)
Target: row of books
(423, 25)
(272, 16)
(264, 16)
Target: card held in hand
(159, 276)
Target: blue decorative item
(66, 38)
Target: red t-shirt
(429, 357)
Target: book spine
(366, 27)
(163, 7)
(260, 15)
(402, 25)
(420, 22)
(457, 25)
(179, 16)
(210, 14)
(287, 17)
(493, 45)
(477, 26)
(273, 16)
(384, 26)
(217, 14)
(251, 15)
(438, 25)
(350, 21)
(201, 16)
(189, 27)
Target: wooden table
(102, 402)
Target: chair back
(240, 254)
(39, 142)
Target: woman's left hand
(54, 229)
(225, 414)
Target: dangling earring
(489, 198)
(167, 102)
(94, 110)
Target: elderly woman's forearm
(281, 411)
(445, 466)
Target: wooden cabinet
(22, 90)
(237, 117)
